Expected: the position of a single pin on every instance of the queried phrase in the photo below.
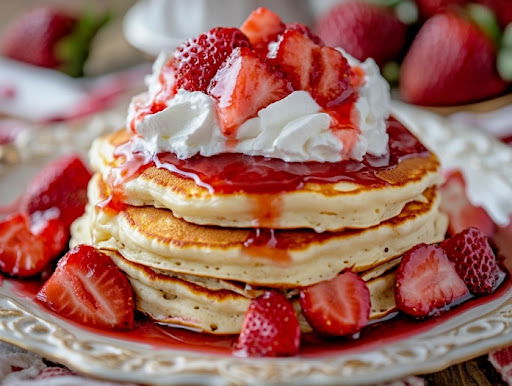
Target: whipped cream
(294, 129)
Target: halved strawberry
(261, 27)
(427, 282)
(340, 306)
(462, 214)
(22, 253)
(62, 185)
(28, 245)
(54, 235)
(243, 86)
(293, 54)
(474, 260)
(198, 59)
(270, 328)
(88, 288)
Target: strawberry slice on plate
(21, 252)
(87, 287)
(474, 260)
(270, 328)
(427, 282)
(340, 306)
(461, 212)
(27, 246)
(243, 86)
(62, 184)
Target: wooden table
(112, 52)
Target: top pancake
(319, 206)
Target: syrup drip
(264, 243)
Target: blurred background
(433, 52)
(65, 63)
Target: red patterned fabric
(502, 361)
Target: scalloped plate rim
(216, 365)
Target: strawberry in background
(462, 214)
(40, 229)
(364, 30)
(451, 61)
(428, 8)
(53, 38)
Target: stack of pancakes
(196, 257)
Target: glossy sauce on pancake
(231, 172)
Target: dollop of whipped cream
(294, 129)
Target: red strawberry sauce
(264, 178)
(373, 336)
(230, 172)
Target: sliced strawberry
(62, 185)
(474, 260)
(54, 234)
(427, 282)
(340, 306)
(21, 252)
(25, 250)
(323, 71)
(270, 328)
(243, 86)
(332, 84)
(88, 288)
(294, 56)
(198, 59)
(306, 31)
(462, 214)
(262, 27)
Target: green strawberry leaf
(73, 50)
(485, 19)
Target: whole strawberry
(474, 260)
(451, 61)
(51, 37)
(363, 30)
(501, 8)
(270, 328)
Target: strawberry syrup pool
(395, 328)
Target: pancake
(212, 305)
(282, 258)
(319, 206)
